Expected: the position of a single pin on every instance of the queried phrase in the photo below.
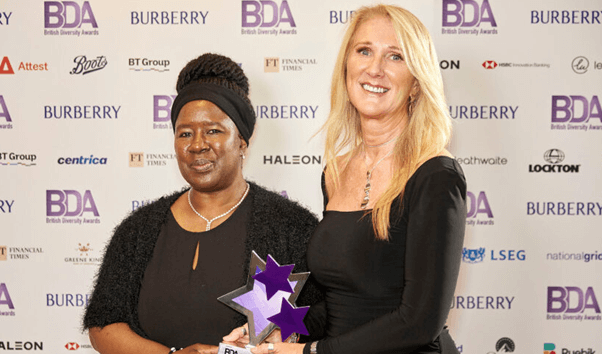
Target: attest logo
(554, 157)
(145, 64)
(476, 255)
(505, 345)
(7, 68)
(292, 160)
(483, 112)
(565, 17)
(84, 66)
(489, 64)
(17, 159)
(69, 206)
(449, 64)
(482, 302)
(479, 211)
(577, 256)
(577, 111)
(266, 18)
(66, 18)
(5, 115)
(20, 345)
(67, 300)
(84, 252)
(286, 112)
(273, 65)
(340, 16)
(5, 300)
(468, 17)
(166, 18)
(82, 160)
(162, 111)
(5, 18)
(82, 112)
(573, 304)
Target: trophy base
(232, 349)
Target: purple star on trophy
(268, 299)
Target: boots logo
(85, 66)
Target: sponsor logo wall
(86, 138)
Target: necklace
(219, 216)
(368, 176)
(382, 144)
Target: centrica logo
(66, 18)
(145, 64)
(292, 160)
(82, 160)
(479, 211)
(5, 18)
(5, 119)
(340, 16)
(481, 302)
(84, 66)
(266, 17)
(566, 17)
(573, 304)
(162, 111)
(167, 18)
(69, 206)
(574, 112)
(467, 17)
(554, 157)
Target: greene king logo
(71, 207)
(467, 17)
(69, 18)
(267, 17)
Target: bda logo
(266, 13)
(559, 300)
(575, 109)
(68, 14)
(4, 110)
(467, 13)
(5, 297)
(478, 206)
(69, 203)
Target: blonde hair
(429, 126)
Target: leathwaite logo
(5, 18)
(571, 303)
(574, 112)
(267, 17)
(468, 17)
(66, 18)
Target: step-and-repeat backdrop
(85, 138)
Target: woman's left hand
(278, 348)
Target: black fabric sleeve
(437, 218)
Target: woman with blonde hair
(388, 249)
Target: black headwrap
(227, 100)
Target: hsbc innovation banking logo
(489, 64)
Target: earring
(243, 156)
(411, 103)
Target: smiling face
(208, 147)
(378, 80)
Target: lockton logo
(565, 17)
(480, 302)
(573, 304)
(82, 112)
(580, 65)
(577, 256)
(21, 253)
(67, 300)
(5, 18)
(20, 345)
(84, 66)
(483, 112)
(564, 208)
(168, 18)
(340, 16)
(273, 65)
(554, 157)
(5, 119)
(489, 64)
(83, 254)
(548, 348)
(5, 300)
(473, 255)
(145, 64)
(286, 111)
(162, 111)
(505, 345)
(575, 112)
(17, 159)
(69, 206)
(7, 68)
(492, 64)
(68, 18)
(449, 64)
(467, 17)
(267, 17)
(82, 160)
(292, 160)
(479, 211)
(482, 161)
(137, 159)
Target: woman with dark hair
(388, 249)
(168, 262)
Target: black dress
(393, 296)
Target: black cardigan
(276, 226)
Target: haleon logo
(554, 157)
(5, 119)
(292, 160)
(468, 17)
(574, 112)
(7, 68)
(449, 64)
(566, 17)
(84, 66)
(286, 111)
(573, 304)
(6, 302)
(69, 18)
(5, 18)
(580, 65)
(21, 345)
(479, 211)
(71, 207)
(162, 111)
(340, 16)
(267, 17)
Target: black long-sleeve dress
(392, 296)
